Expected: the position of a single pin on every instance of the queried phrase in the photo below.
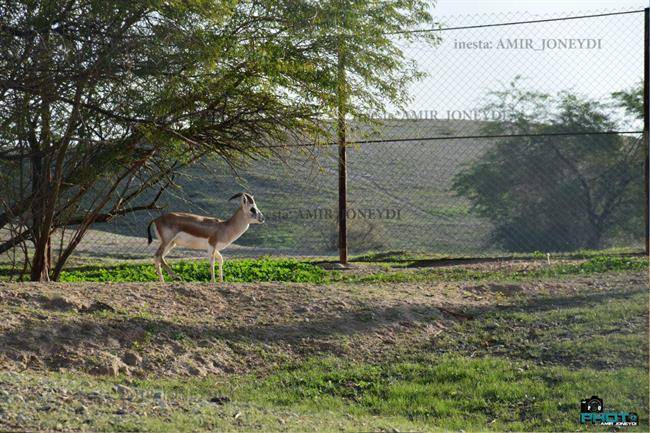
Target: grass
(239, 270)
(307, 271)
(595, 265)
(428, 394)
(522, 363)
(598, 331)
(410, 258)
(450, 391)
(521, 367)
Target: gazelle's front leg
(220, 260)
(215, 255)
(212, 251)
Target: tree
(556, 192)
(103, 101)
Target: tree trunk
(40, 263)
(42, 212)
(40, 227)
(594, 237)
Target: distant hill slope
(399, 194)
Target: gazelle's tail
(149, 237)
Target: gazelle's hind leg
(164, 263)
(163, 248)
(158, 260)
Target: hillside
(400, 196)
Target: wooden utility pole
(343, 176)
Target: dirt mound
(199, 329)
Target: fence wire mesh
(524, 136)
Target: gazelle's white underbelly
(186, 240)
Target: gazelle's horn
(247, 196)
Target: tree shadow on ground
(53, 341)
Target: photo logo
(592, 411)
(593, 404)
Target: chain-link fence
(525, 135)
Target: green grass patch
(602, 331)
(454, 392)
(595, 265)
(240, 270)
(429, 393)
(307, 271)
(410, 258)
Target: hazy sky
(591, 56)
(453, 7)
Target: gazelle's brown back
(195, 225)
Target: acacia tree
(572, 188)
(102, 101)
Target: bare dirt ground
(197, 329)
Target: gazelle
(200, 232)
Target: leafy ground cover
(238, 270)
(310, 271)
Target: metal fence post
(646, 126)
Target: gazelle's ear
(239, 194)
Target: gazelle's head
(251, 212)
